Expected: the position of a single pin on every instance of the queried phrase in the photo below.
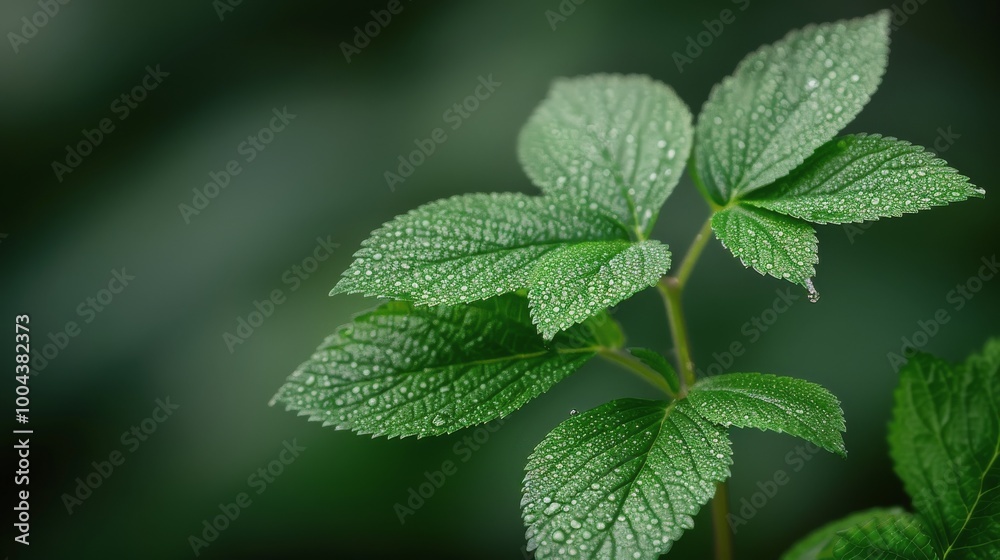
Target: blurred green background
(322, 177)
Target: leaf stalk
(630, 362)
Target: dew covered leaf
(467, 248)
(944, 440)
(612, 143)
(818, 545)
(864, 177)
(572, 283)
(785, 100)
(769, 402)
(403, 370)
(885, 537)
(574, 262)
(659, 364)
(622, 481)
(770, 243)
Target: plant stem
(720, 524)
(691, 257)
(631, 363)
(672, 290)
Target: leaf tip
(840, 449)
(340, 288)
(813, 295)
(882, 17)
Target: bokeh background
(322, 177)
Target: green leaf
(818, 545)
(402, 370)
(769, 402)
(467, 248)
(772, 244)
(864, 177)
(612, 143)
(944, 440)
(659, 364)
(574, 282)
(574, 262)
(898, 537)
(622, 481)
(785, 100)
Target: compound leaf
(622, 481)
(402, 370)
(612, 143)
(769, 402)
(574, 282)
(864, 177)
(944, 440)
(818, 545)
(785, 100)
(885, 537)
(772, 244)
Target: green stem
(631, 363)
(720, 511)
(672, 290)
(691, 258)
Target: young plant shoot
(495, 298)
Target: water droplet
(813, 294)
(573, 412)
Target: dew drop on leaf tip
(813, 294)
